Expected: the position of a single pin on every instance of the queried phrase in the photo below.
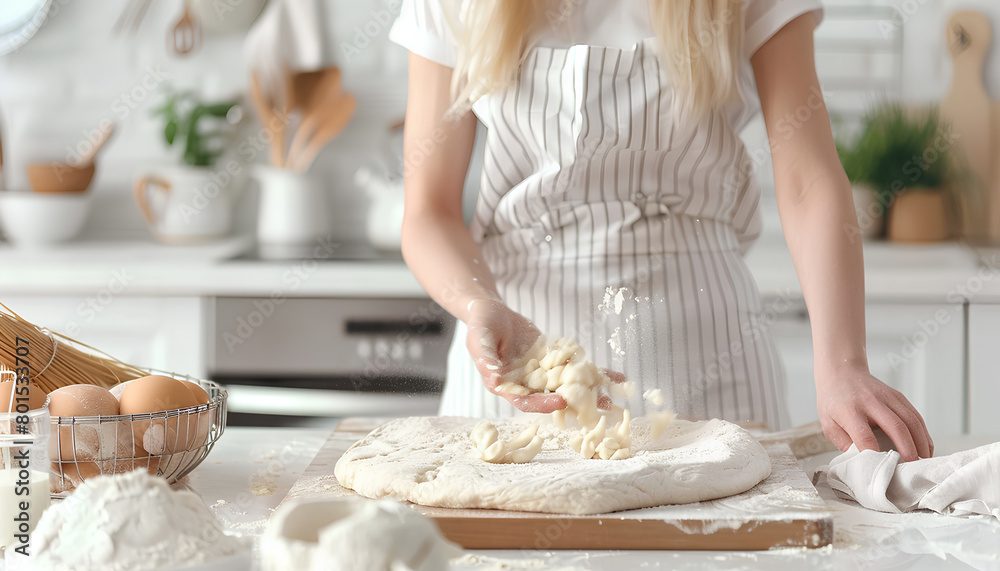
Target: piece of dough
(561, 367)
(519, 450)
(431, 461)
(602, 443)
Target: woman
(617, 200)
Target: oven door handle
(328, 403)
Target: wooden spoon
(269, 120)
(88, 157)
(338, 116)
(314, 94)
(302, 87)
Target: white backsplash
(76, 73)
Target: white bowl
(34, 219)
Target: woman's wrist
(478, 303)
(828, 370)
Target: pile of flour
(127, 522)
(308, 534)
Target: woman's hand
(851, 402)
(498, 336)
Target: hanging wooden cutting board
(967, 106)
(782, 511)
(992, 194)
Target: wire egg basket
(170, 443)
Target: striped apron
(606, 218)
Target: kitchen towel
(291, 35)
(964, 483)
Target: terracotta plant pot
(919, 215)
(58, 177)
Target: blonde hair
(700, 42)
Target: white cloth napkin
(964, 483)
(291, 35)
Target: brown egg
(36, 396)
(199, 394)
(199, 436)
(82, 400)
(67, 476)
(157, 393)
(87, 440)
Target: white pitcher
(187, 205)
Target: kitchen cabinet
(918, 349)
(157, 332)
(984, 368)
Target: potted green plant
(192, 202)
(903, 157)
(185, 120)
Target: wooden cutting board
(782, 511)
(970, 113)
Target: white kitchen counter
(894, 273)
(251, 469)
(948, 272)
(150, 269)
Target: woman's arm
(821, 228)
(437, 245)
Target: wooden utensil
(88, 157)
(267, 112)
(337, 117)
(302, 87)
(967, 107)
(724, 524)
(186, 33)
(314, 95)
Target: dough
(432, 461)
(561, 367)
(601, 443)
(520, 450)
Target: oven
(312, 361)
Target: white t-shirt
(423, 29)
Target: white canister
(293, 212)
(385, 210)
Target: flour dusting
(614, 299)
(128, 522)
